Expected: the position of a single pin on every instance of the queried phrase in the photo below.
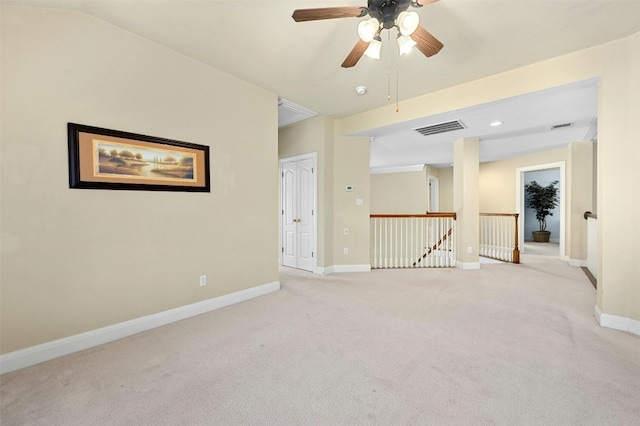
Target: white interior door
(299, 213)
(289, 215)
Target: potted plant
(542, 199)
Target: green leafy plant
(542, 199)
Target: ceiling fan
(384, 14)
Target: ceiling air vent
(434, 129)
(289, 113)
(560, 126)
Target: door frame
(520, 171)
(433, 190)
(308, 156)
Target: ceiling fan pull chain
(389, 65)
(397, 86)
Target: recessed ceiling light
(496, 123)
(361, 90)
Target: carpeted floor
(541, 249)
(505, 345)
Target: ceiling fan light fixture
(405, 44)
(373, 51)
(407, 22)
(368, 29)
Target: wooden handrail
(427, 215)
(516, 249)
(435, 246)
(500, 214)
(588, 215)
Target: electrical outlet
(346, 250)
(346, 231)
(469, 250)
(203, 280)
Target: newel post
(516, 250)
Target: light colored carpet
(505, 345)
(541, 249)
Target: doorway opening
(543, 174)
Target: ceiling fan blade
(356, 53)
(425, 42)
(300, 15)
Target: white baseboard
(346, 268)
(616, 322)
(352, 268)
(577, 262)
(323, 271)
(468, 266)
(46, 351)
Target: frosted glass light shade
(407, 22)
(367, 29)
(373, 51)
(405, 44)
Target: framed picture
(110, 159)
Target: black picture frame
(102, 158)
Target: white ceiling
(527, 127)
(258, 41)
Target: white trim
(597, 313)
(397, 169)
(323, 271)
(468, 266)
(577, 262)
(46, 351)
(520, 171)
(433, 182)
(299, 157)
(347, 268)
(616, 322)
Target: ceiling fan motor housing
(386, 11)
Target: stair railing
(592, 246)
(412, 240)
(499, 236)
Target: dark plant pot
(541, 236)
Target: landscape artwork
(111, 159)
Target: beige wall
(466, 158)
(580, 182)
(618, 155)
(498, 179)
(342, 161)
(314, 135)
(351, 167)
(445, 178)
(498, 192)
(76, 260)
(401, 193)
(617, 64)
